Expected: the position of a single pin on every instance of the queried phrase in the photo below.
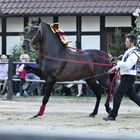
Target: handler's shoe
(109, 118)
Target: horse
(57, 63)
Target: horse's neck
(51, 43)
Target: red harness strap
(111, 87)
(80, 62)
(83, 51)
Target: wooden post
(10, 77)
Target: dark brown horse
(58, 63)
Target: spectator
(27, 73)
(66, 90)
(80, 91)
(80, 87)
(3, 72)
(19, 68)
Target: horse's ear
(39, 20)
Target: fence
(10, 78)
(11, 64)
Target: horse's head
(33, 35)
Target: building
(89, 24)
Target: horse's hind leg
(96, 88)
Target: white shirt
(3, 71)
(126, 66)
(19, 68)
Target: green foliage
(136, 31)
(18, 51)
(117, 47)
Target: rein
(77, 61)
(111, 88)
(98, 75)
(83, 51)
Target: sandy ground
(68, 115)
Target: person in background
(27, 73)
(16, 84)
(80, 91)
(3, 72)
(127, 68)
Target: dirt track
(68, 115)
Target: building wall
(0, 36)
(0, 45)
(48, 19)
(90, 26)
(90, 31)
(13, 25)
(68, 25)
(118, 21)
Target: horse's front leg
(96, 88)
(98, 98)
(47, 92)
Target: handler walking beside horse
(127, 67)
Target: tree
(117, 48)
(136, 29)
(18, 51)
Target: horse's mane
(56, 35)
(59, 34)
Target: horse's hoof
(109, 111)
(35, 116)
(92, 115)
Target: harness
(38, 31)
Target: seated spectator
(3, 72)
(80, 87)
(66, 91)
(27, 73)
(16, 84)
(76, 85)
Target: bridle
(38, 31)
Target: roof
(68, 7)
